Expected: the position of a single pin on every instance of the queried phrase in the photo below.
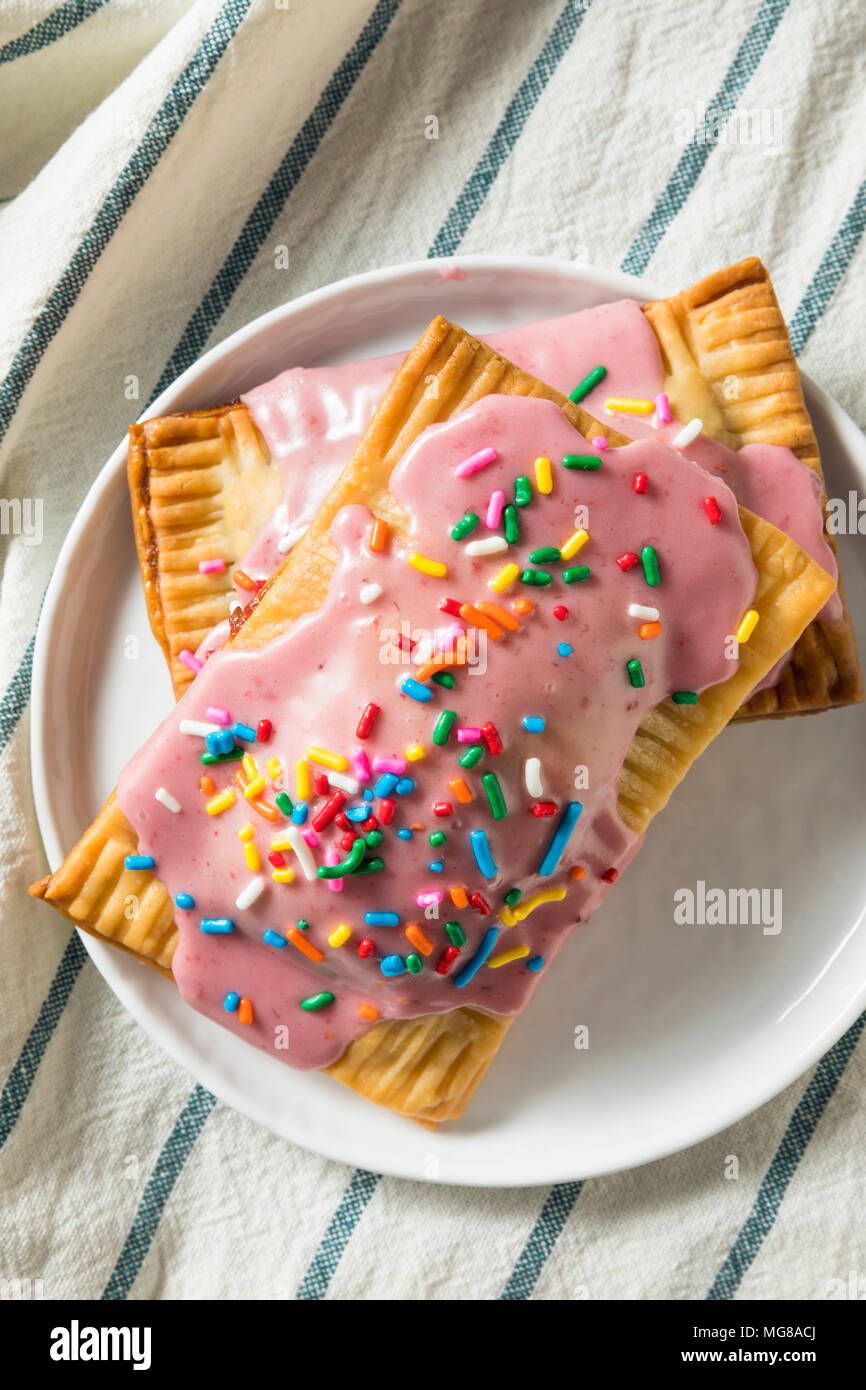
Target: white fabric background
(91, 1105)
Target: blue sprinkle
(300, 811)
(405, 786)
(358, 812)
(139, 861)
(560, 839)
(382, 919)
(481, 850)
(220, 741)
(217, 926)
(392, 965)
(404, 833)
(386, 784)
(437, 866)
(231, 1002)
(368, 795)
(416, 690)
(273, 938)
(488, 941)
(533, 723)
(245, 732)
(565, 649)
(185, 900)
(535, 963)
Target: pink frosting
(571, 670)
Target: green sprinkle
(349, 865)
(317, 1001)
(685, 697)
(588, 462)
(373, 839)
(444, 678)
(635, 673)
(284, 801)
(455, 933)
(512, 897)
(414, 964)
(443, 726)
(209, 758)
(522, 491)
(494, 795)
(302, 924)
(576, 574)
(465, 527)
(584, 387)
(536, 577)
(650, 562)
(545, 554)
(369, 866)
(512, 525)
(438, 838)
(472, 755)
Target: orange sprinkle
(457, 657)
(368, 1012)
(265, 809)
(306, 947)
(245, 1011)
(649, 630)
(421, 942)
(243, 581)
(457, 894)
(523, 605)
(495, 610)
(378, 538)
(208, 786)
(471, 614)
(577, 872)
(460, 790)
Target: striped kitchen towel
(154, 156)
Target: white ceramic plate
(690, 1028)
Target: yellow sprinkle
(283, 875)
(748, 623)
(249, 766)
(504, 579)
(339, 936)
(280, 844)
(631, 405)
(327, 759)
(543, 474)
(414, 752)
(274, 769)
(511, 915)
(303, 785)
(246, 832)
(505, 957)
(255, 787)
(575, 542)
(218, 804)
(432, 567)
(251, 856)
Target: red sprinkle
(321, 784)
(335, 802)
(491, 738)
(639, 482)
(403, 642)
(366, 948)
(610, 875)
(544, 808)
(443, 808)
(480, 904)
(342, 821)
(348, 840)
(263, 730)
(560, 612)
(713, 510)
(367, 720)
(387, 807)
(370, 824)
(278, 860)
(447, 959)
(450, 605)
(626, 561)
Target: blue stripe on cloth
(509, 130)
(119, 199)
(542, 1238)
(828, 276)
(175, 1152)
(16, 695)
(697, 151)
(269, 206)
(801, 1127)
(17, 1087)
(48, 30)
(353, 1204)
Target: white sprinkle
(197, 727)
(253, 890)
(290, 539)
(532, 776)
(166, 799)
(424, 649)
(641, 610)
(688, 433)
(302, 850)
(345, 783)
(492, 545)
(370, 592)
